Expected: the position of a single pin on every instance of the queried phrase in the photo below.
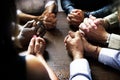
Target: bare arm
(25, 17)
(37, 67)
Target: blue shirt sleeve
(110, 57)
(102, 12)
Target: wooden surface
(59, 60)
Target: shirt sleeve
(80, 70)
(100, 13)
(110, 57)
(112, 20)
(67, 6)
(114, 41)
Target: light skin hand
(36, 48)
(49, 17)
(49, 20)
(93, 28)
(74, 44)
(75, 17)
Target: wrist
(92, 51)
(50, 6)
(95, 52)
(106, 23)
(78, 55)
(105, 38)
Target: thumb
(81, 32)
(77, 34)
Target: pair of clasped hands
(91, 26)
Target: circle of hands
(31, 27)
(90, 28)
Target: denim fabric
(98, 8)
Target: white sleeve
(110, 57)
(49, 3)
(80, 70)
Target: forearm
(49, 70)
(50, 7)
(100, 13)
(93, 51)
(67, 6)
(25, 17)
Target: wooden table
(59, 60)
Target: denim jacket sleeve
(67, 6)
(102, 12)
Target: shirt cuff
(114, 41)
(80, 66)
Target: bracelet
(96, 50)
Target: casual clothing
(80, 69)
(98, 8)
(14, 68)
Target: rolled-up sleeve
(112, 20)
(110, 57)
(114, 41)
(80, 70)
